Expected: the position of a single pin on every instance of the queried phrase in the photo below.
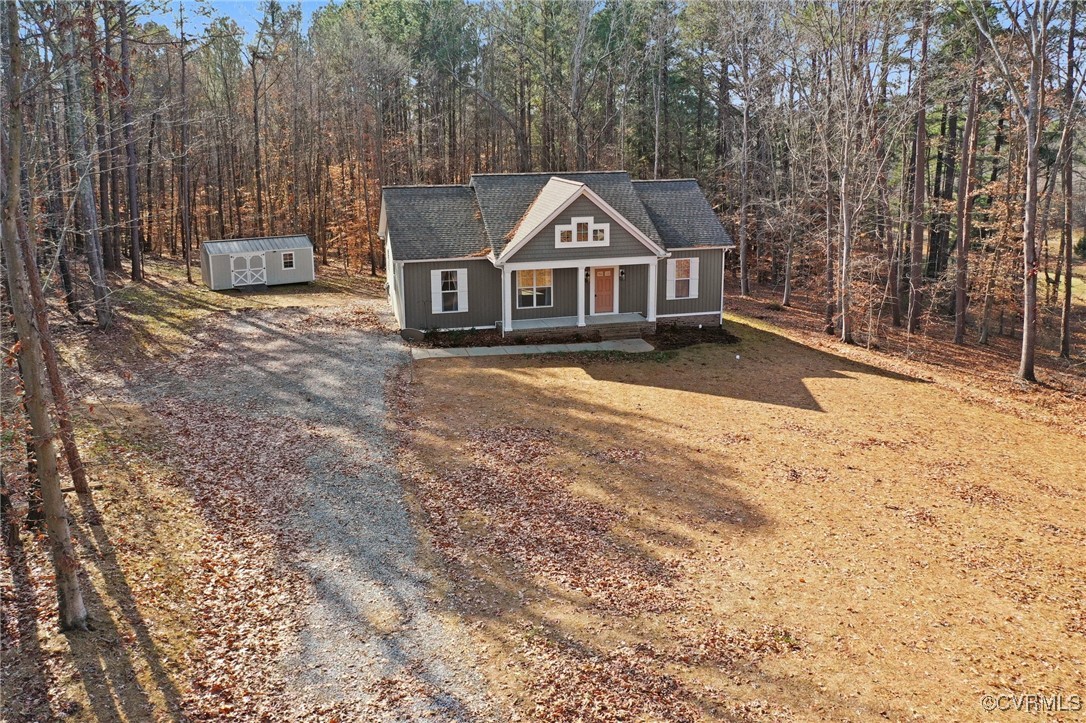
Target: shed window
(535, 288)
(682, 278)
(448, 290)
(288, 259)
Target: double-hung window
(288, 259)
(448, 291)
(682, 278)
(535, 288)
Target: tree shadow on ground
(107, 658)
(666, 503)
(763, 367)
(26, 687)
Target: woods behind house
(895, 163)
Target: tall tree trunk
(186, 190)
(136, 245)
(73, 613)
(965, 209)
(916, 251)
(78, 141)
(1068, 189)
(744, 191)
(256, 147)
(49, 355)
(104, 153)
(1029, 218)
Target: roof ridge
(550, 173)
(661, 180)
(428, 185)
(253, 238)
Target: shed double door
(248, 269)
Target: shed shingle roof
(681, 214)
(434, 222)
(250, 245)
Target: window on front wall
(682, 278)
(288, 259)
(582, 231)
(535, 288)
(448, 290)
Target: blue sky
(246, 13)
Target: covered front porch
(603, 294)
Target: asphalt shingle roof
(433, 222)
(249, 245)
(504, 198)
(681, 214)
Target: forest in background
(896, 161)
(802, 122)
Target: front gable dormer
(567, 219)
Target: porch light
(622, 274)
(587, 274)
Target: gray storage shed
(257, 261)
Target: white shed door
(248, 269)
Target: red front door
(604, 297)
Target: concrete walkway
(631, 346)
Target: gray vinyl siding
(710, 270)
(215, 268)
(302, 271)
(541, 247)
(219, 273)
(633, 289)
(484, 295)
(564, 297)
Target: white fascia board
(614, 215)
(382, 225)
(574, 263)
(444, 259)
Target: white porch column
(507, 300)
(651, 312)
(580, 295)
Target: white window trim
(534, 286)
(693, 278)
(572, 228)
(436, 294)
(293, 264)
(614, 291)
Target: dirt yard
(762, 529)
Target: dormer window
(582, 231)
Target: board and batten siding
(563, 296)
(484, 295)
(633, 289)
(541, 246)
(710, 278)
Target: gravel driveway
(368, 642)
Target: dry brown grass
(804, 535)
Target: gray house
(527, 252)
(257, 262)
